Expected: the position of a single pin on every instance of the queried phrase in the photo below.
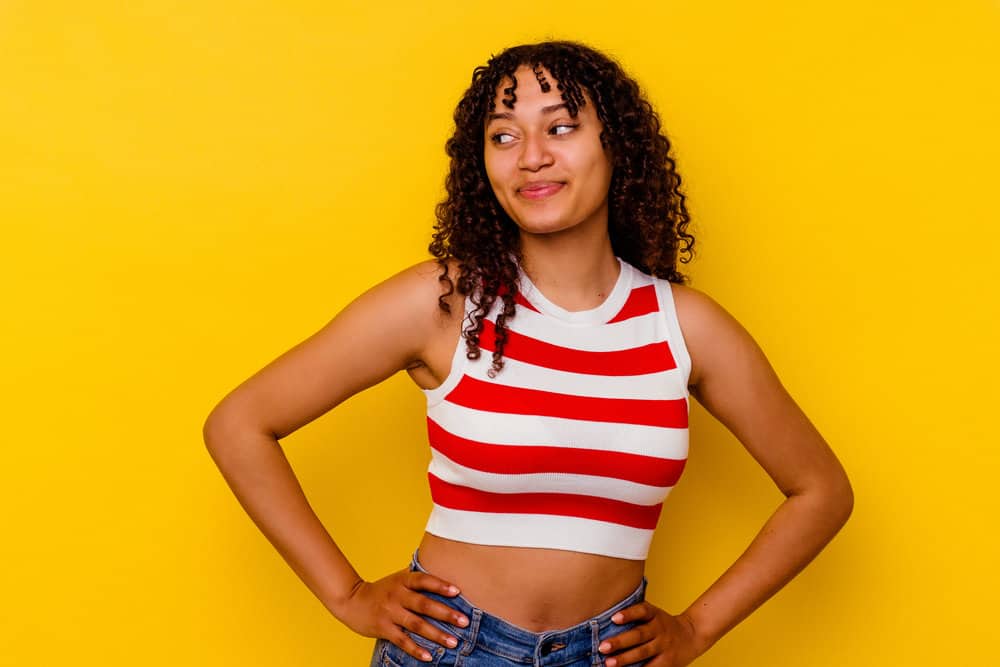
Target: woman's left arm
(733, 380)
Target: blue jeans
(490, 641)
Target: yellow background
(187, 189)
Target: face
(548, 169)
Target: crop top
(578, 439)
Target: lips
(540, 190)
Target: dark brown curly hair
(647, 218)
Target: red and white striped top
(578, 440)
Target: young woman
(557, 346)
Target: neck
(574, 271)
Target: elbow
(848, 501)
(213, 425)
(217, 428)
(211, 431)
(228, 428)
(840, 499)
(208, 431)
(831, 497)
(841, 509)
(224, 436)
(232, 418)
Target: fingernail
(617, 618)
(452, 590)
(611, 662)
(463, 621)
(451, 641)
(426, 656)
(604, 648)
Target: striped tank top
(579, 438)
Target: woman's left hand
(662, 640)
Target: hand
(660, 639)
(387, 608)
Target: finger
(404, 642)
(624, 640)
(633, 656)
(637, 612)
(425, 606)
(421, 581)
(432, 633)
(419, 625)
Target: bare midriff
(535, 589)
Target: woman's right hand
(387, 608)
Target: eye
(565, 127)
(498, 138)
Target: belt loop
(595, 642)
(470, 643)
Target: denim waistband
(550, 648)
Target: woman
(556, 254)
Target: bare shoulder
(386, 329)
(417, 293)
(693, 305)
(429, 283)
(711, 334)
(412, 294)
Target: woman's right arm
(383, 331)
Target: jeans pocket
(394, 656)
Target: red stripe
(641, 301)
(521, 301)
(458, 497)
(492, 397)
(651, 358)
(526, 459)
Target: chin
(541, 226)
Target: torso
(534, 588)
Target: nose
(534, 153)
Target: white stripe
(668, 312)
(664, 385)
(639, 278)
(541, 530)
(458, 365)
(624, 335)
(551, 482)
(591, 316)
(508, 429)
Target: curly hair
(647, 219)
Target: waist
(534, 589)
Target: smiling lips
(540, 190)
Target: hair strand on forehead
(540, 76)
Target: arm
(733, 380)
(383, 331)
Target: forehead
(534, 88)
(537, 77)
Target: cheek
(498, 193)
(495, 179)
(494, 176)
(599, 175)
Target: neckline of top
(598, 315)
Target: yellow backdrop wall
(187, 189)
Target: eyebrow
(510, 116)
